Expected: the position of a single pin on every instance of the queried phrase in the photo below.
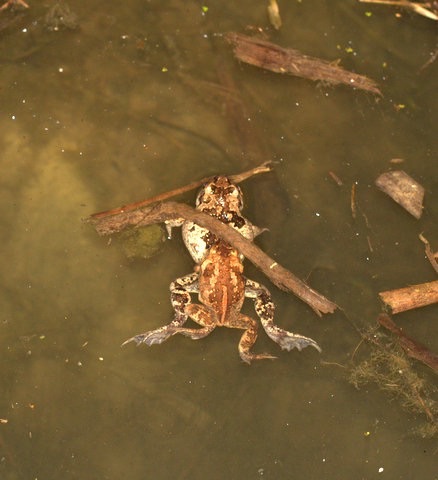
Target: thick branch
(162, 212)
(414, 296)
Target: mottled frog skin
(219, 281)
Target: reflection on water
(144, 97)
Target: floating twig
(240, 177)
(353, 200)
(274, 14)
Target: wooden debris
(431, 256)
(408, 298)
(429, 62)
(353, 200)
(404, 190)
(161, 212)
(409, 345)
(336, 179)
(426, 9)
(240, 177)
(270, 56)
(274, 14)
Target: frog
(219, 282)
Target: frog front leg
(264, 308)
(177, 222)
(180, 298)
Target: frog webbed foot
(153, 337)
(288, 340)
(265, 310)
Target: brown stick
(162, 212)
(431, 256)
(240, 177)
(272, 57)
(411, 297)
(410, 346)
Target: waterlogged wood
(412, 348)
(408, 298)
(270, 56)
(162, 212)
(404, 190)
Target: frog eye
(233, 190)
(209, 189)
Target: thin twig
(240, 177)
(428, 251)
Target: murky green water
(133, 103)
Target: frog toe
(249, 357)
(288, 340)
(291, 341)
(153, 337)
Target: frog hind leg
(248, 339)
(180, 298)
(264, 308)
(202, 316)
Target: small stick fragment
(270, 56)
(429, 254)
(404, 190)
(409, 345)
(353, 200)
(274, 14)
(370, 245)
(240, 177)
(432, 58)
(336, 179)
(407, 298)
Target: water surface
(136, 101)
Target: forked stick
(240, 177)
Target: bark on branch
(161, 212)
(411, 297)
